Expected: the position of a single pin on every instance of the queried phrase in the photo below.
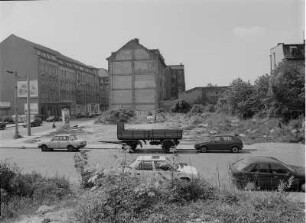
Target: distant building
(62, 82)
(203, 95)
(286, 52)
(104, 88)
(177, 80)
(140, 78)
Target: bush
(23, 191)
(186, 191)
(181, 107)
(115, 115)
(121, 198)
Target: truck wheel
(44, 148)
(167, 145)
(70, 148)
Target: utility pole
(16, 135)
(29, 108)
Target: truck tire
(167, 145)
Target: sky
(216, 40)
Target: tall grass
(21, 193)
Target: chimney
(136, 40)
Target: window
(145, 165)
(162, 166)
(218, 139)
(278, 169)
(293, 51)
(227, 138)
(261, 168)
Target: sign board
(22, 89)
(33, 108)
(65, 116)
(5, 104)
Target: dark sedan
(220, 142)
(267, 173)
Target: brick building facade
(62, 82)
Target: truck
(131, 138)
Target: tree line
(280, 94)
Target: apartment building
(62, 82)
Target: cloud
(249, 33)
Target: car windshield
(286, 165)
(241, 164)
(73, 137)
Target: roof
(54, 52)
(151, 158)
(263, 159)
(134, 42)
(65, 135)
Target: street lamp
(16, 135)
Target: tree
(288, 87)
(240, 98)
(261, 93)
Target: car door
(217, 143)
(164, 171)
(261, 175)
(144, 169)
(54, 143)
(64, 142)
(279, 174)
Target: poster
(22, 89)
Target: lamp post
(16, 135)
(29, 109)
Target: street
(209, 164)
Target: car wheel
(44, 148)
(203, 149)
(70, 148)
(235, 149)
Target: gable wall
(134, 74)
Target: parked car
(261, 172)
(8, 120)
(2, 125)
(220, 142)
(53, 119)
(161, 167)
(36, 122)
(67, 141)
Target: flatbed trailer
(131, 138)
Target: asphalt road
(211, 166)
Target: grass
(23, 193)
(124, 198)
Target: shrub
(181, 107)
(121, 198)
(23, 191)
(115, 115)
(186, 191)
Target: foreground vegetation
(24, 193)
(117, 197)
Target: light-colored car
(161, 167)
(67, 141)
